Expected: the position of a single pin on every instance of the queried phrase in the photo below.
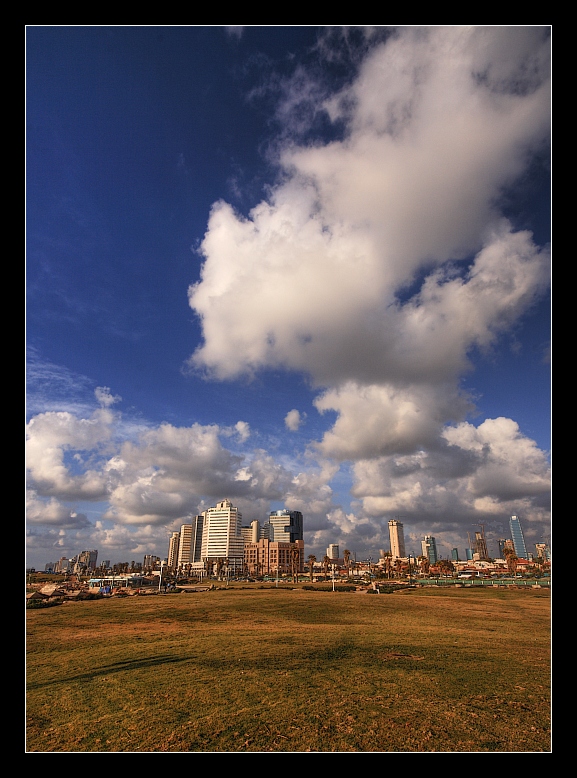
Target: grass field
(282, 670)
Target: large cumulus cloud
(313, 279)
(381, 260)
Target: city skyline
(300, 268)
(189, 546)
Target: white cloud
(294, 419)
(234, 31)
(313, 279)
(56, 443)
(472, 474)
(52, 512)
(243, 430)
(104, 397)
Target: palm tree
(446, 566)
(511, 559)
(424, 564)
(312, 559)
(347, 558)
(295, 563)
(326, 564)
(388, 563)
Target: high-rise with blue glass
(429, 549)
(517, 537)
(285, 526)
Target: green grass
(279, 670)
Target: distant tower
(543, 551)
(333, 551)
(455, 555)
(481, 550)
(517, 537)
(285, 526)
(429, 549)
(173, 545)
(397, 538)
(88, 559)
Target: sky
(302, 267)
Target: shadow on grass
(115, 667)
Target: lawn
(283, 670)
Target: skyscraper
(517, 537)
(504, 545)
(190, 542)
(88, 559)
(397, 538)
(333, 551)
(173, 545)
(285, 526)
(221, 535)
(429, 548)
(481, 550)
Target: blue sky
(291, 266)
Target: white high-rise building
(397, 538)
(190, 542)
(173, 545)
(333, 551)
(221, 535)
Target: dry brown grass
(456, 670)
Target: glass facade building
(285, 526)
(517, 537)
(429, 549)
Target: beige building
(397, 538)
(266, 557)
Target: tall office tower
(190, 544)
(469, 554)
(543, 551)
(397, 538)
(481, 546)
(429, 549)
(173, 545)
(252, 533)
(88, 559)
(454, 555)
(333, 551)
(266, 531)
(285, 526)
(184, 546)
(221, 535)
(150, 561)
(517, 537)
